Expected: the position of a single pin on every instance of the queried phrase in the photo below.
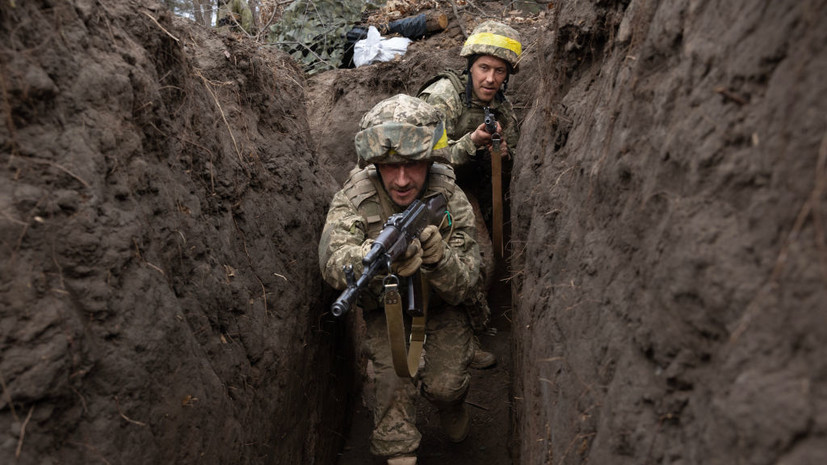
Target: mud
(165, 186)
(159, 202)
(668, 236)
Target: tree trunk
(254, 9)
(202, 12)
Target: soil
(160, 201)
(669, 248)
(165, 186)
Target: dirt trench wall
(668, 219)
(159, 215)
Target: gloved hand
(410, 261)
(364, 249)
(432, 248)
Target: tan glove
(432, 248)
(410, 261)
(366, 246)
(363, 250)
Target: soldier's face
(487, 75)
(403, 181)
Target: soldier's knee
(448, 391)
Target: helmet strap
(469, 85)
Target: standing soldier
(402, 146)
(492, 52)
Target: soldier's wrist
(431, 267)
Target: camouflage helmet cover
(497, 39)
(401, 129)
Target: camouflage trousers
(444, 378)
(477, 303)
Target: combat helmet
(401, 129)
(497, 39)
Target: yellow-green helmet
(497, 39)
(401, 129)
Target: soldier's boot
(455, 422)
(482, 359)
(407, 460)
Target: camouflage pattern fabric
(476, 304)
(358, 205)
(354, 219)
(400, 129)
(473, 165)
(497, 39)
(444, 377)
(448, 96)
(314, 32)
(448, 353)
(394, 408)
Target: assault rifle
(491, 127)
(397, 234)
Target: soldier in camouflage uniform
(402, 147)
(492, 51)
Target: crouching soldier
(402, 147)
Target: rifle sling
(405, 359)
(497, 204)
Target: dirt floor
(165, 187)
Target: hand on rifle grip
(432, 248)
(410, 261)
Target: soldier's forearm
(452, 277)
(463, 150)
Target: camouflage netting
(313, 31)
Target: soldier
(402, 147)
(492, 52)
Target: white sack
(374, 48)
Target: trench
(490, 439)
(162, 203)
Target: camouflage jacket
(446, 92)
(356, 216)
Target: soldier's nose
(402, 176)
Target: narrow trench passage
(488, 404)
